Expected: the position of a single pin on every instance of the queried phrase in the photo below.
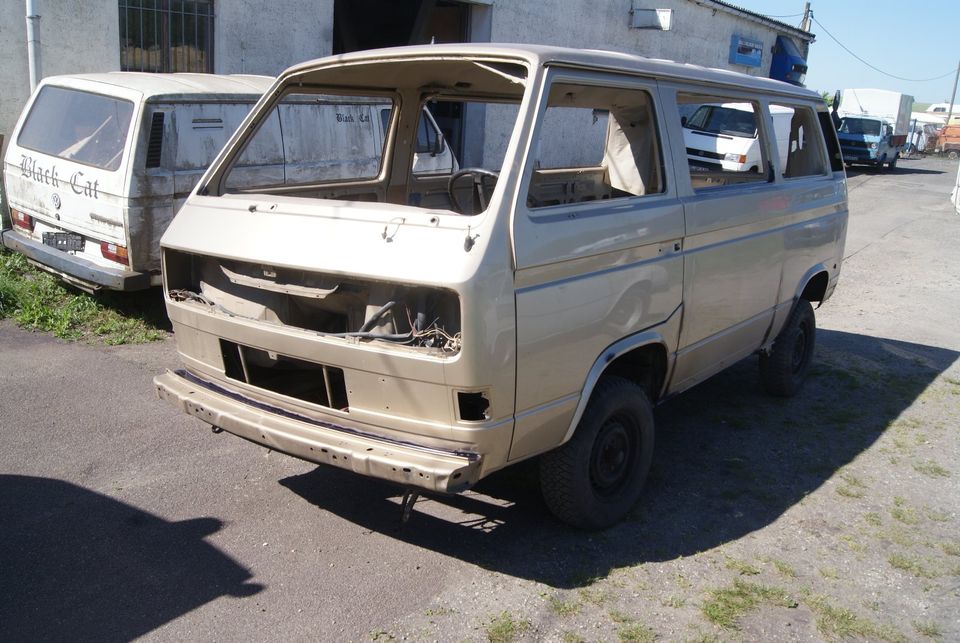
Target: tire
(881, 162)
(593, 480)
(893, 163)
(952, 155)
(784, 369)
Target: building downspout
(33, 42)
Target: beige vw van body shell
(550, 299)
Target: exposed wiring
(877, 69)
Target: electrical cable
(911, 80)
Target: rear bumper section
(76, 270)
(317, 441)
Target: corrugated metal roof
(757, 17)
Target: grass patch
(636, 633)
(784, 569)
(841, 623)
(742, 567)
(931, 469)
(675, 602)
(848, 492)
(725, 606)
(571, 637)
(910, 565)
(930, 630)
(903, 513)
(950, 549)
(503, 628)
(561, 607)
(594, 596)
(36, 300)
(829, 572)
(873, 518)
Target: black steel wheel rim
(613, 456)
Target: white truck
(874, 125)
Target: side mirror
(836, 100)
(437, 144)
(683, 121)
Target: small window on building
(723, 141)
(166, 35)
(595, 143)
(799, 142)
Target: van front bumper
(78, 271)
(317, 441)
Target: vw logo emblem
(56, 201)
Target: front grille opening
(314, 383)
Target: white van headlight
(735, 158)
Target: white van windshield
(863, 126)
(722, 119)
(78, 126)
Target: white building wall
(697, 34)
(267, 36)
(76, 36)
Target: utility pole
(953, 94)
(805, 25)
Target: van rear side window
(78, 126)
(309, 139)
(723, 141)
(802, 153)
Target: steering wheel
(479, 175)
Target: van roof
(537, 55)
(169, 86)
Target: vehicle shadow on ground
(79, 566)
(901, 169)
(729, 460)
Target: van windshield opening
(78, 126)
(424, 133)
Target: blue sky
(909, 39)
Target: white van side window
(723, 141)
(322, 138)
(595, 143)
(801, 149)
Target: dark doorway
(371, 24)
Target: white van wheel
(593, 480)
(893, 163)
(784, 369)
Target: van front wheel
(785, 367)
(594, 479)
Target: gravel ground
(832, 515)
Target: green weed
(725, 606)
(503, 628)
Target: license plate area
(64, 241)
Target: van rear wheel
(594, 479)
(785, 367)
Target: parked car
(432, 329)
(99, 163)
(727, 136)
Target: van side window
(799, 142)
(723, 141)
(595, 143)
(319, 138)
